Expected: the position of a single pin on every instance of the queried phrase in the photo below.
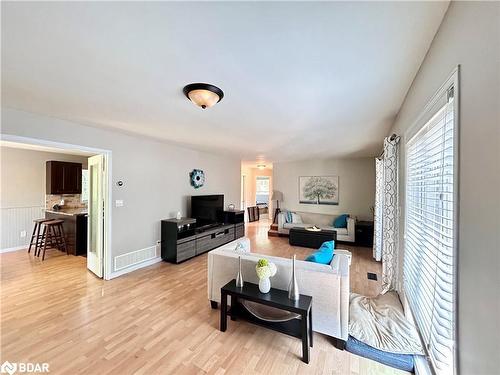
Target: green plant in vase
(265, 270)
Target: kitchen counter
(69, 211)
(75, 223)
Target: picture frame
(319, 190)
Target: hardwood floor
(156, 320)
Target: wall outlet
(119, 203)
(23, 234)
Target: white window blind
(429, 272)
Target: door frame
(107, 195)
(243, 192)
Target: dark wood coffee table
(298, 327)
(312, 239)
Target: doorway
(95, 196)
(256, 187)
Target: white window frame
(424, 117)
(268, 178)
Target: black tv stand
(182, 240)
(206, 227)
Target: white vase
(264, 285)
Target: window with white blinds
(262, 189)
(429, 252)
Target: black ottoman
(312, 239)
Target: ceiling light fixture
(204, 95)
(261, 166)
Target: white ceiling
(33, 147)
(301, 79)
(256, 163)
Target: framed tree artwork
(319, 190)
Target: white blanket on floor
(380, 323)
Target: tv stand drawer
(186, 250)
(213, 240)
(239, 230)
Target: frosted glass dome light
(204, 95)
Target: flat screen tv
(206, 209)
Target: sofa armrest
(351, 226)
(341, 263)
(346, 253)
(281, 220)
(345, 288)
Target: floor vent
(372, 276)
(135, 257)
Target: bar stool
(53, 236)
(36, 237)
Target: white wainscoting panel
(14, 220)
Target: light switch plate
(119, 203)
(23, 234)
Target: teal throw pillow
(341, 221)
(324, 255)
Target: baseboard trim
(17, 248)
(135, 267)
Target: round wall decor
(197, 177)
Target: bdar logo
(9, 368)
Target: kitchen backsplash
(70, 200)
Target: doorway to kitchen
(46, 183)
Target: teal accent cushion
(341, 221)
(324, 255)
(288, 216)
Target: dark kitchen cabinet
(63, 177)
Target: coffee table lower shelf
(300, 328)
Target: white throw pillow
(296, 219)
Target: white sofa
(327, 284)
(321, 220)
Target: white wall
(356, 184)
(155, 174)
(470, 36)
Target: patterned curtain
(379, 199)
(390, 220)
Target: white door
(95, 243)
